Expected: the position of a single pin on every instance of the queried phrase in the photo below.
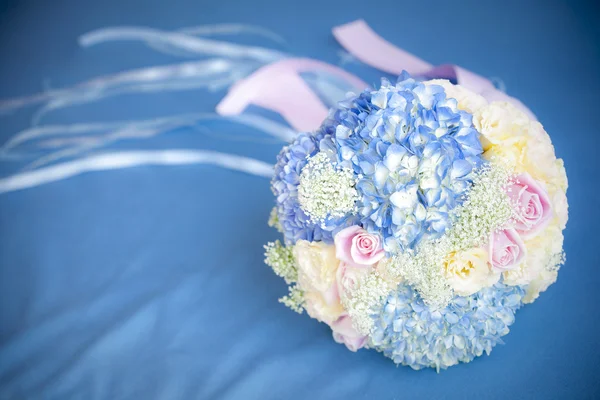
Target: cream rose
(469, 271)
(538, 157)
(512, 151)
(527, 147)
(561, 180)
(499, 121)
(561, 207)
(317, 268)
(539, 284)
(323, 278)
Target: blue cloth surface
(149, 283)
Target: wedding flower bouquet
(417, 219)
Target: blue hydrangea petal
(469, 326)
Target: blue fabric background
(148, 283)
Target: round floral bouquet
(417, 219)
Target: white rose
(317, 267)
(467, 100)
(469, 271)
(499, 121)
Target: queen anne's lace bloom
(326, 191)
(414, 152)
(410, 333)
(281, 260)
(292, 219)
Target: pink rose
(507, 250)
(533, 205)
(344, 332)
(358, 248)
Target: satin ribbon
(279, 87)
(370, 48)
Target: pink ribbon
(278, 87)
(367, 46)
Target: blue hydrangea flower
(414, 152)
(295, 223)
(410, 333)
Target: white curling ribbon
(181, 76)
(93, 135)
(233, 29)
(182, 41)
(215, 30)
(129, 159)
(234, 59)
(89, 95)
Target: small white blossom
(371, 290)
(281, 259)
(294, 300)
(325, 191)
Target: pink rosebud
(344, 332)
(507, 250)
(358, 248)
(532, 204)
